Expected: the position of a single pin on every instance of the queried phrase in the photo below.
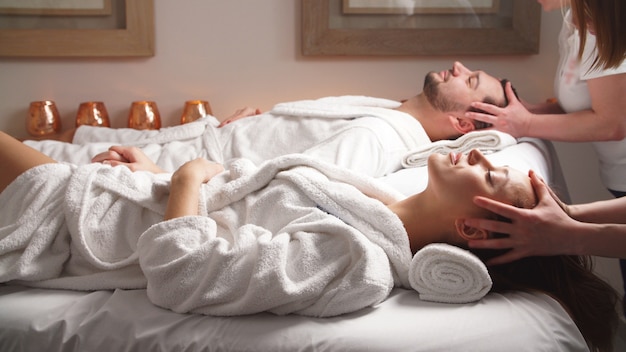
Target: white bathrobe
(364, 134)
(291, 236)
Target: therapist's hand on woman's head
(512, 119)
(542, 230)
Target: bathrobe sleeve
(316, 266)
(93, 134)
(369, 146)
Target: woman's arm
(185, 187)
(606, 120)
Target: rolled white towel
(444, 273)
(487, 141)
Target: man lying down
(369, 135)
(293, 235)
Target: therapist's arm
(605, 121)
(604, 211)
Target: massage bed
(33, 319)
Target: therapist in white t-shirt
(590, 106)
(590, 103)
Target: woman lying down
(292, 236)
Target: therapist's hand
(513, 119)
(540, 231)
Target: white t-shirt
(573, 94)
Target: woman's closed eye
(472, 81)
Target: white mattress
(120, 320)
(55, 320)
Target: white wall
(237, 53)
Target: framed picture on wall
(419, 6)
(57, 7)
(420, 27)
(127, 30)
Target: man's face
(453, 90)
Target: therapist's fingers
(539, 185)
(489, 225)
(500, 243)
(490, 119)
(542, 190)
(481, 108)
(545, 194)
(510, 93)
(506, 210)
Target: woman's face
(456, 179)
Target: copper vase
(144, 115)
(43, 119)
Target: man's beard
(436, 98)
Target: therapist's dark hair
(608, 18)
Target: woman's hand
(132, 157)
(184, 197)
(197, 171)
(513, 119)
(239, 114)
(542, 230)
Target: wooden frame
(436, 8)
(319, 39)
(136, 39)
(54, 9)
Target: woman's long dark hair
(609, 20)
(590, 301)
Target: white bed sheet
(56, 320)
(125, 320)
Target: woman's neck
(423, 221)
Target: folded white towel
(487, 141)
(444, 273)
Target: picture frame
(319, 38)
(135, 39)
(425, 6)
(56, 8)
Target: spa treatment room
(312, 175)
